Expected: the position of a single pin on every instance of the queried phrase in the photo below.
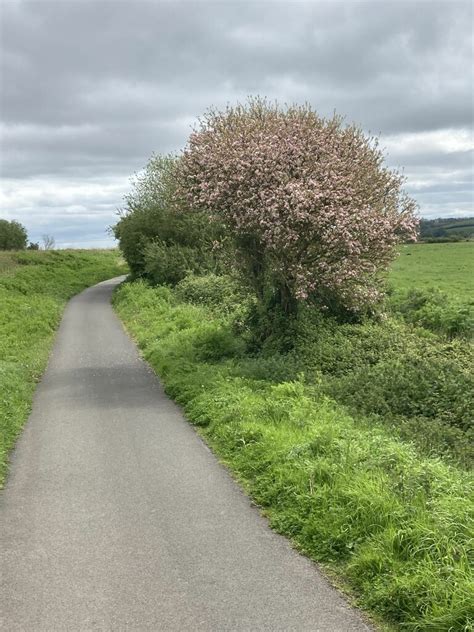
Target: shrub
(434, 310)
(311, 209)
(275, 368)
(169, 264)
(387, 368)
(220, 292)
(214, 342)
(159, 240)
(416, 384)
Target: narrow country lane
(116, 516)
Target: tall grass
(34, 287)
(394, 524)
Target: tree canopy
(13, 235)
(311, 208)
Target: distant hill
(447, 229)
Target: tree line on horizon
(446, 229)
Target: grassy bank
(34, 287)
(390, 518)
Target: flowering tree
(312, 211)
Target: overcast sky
(89, 90)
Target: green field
(432, 285)
(34, 288)
(448, 267)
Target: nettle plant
(312, 210)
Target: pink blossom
(309, 197)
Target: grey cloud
(427, 160)
(91, 89)
(108, 148)
(340, 53)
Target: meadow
(34, 288)
(447, 267)
(432, 285)
(355, 439)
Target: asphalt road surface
(116, 516)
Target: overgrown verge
(410, 380)
(34, 287)
(395, 523)
(434, 310)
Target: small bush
(221, 293)
(213, 342)
(388, 369)
(410, 386)
(433, 437)
(169, 264)
(275, 368)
